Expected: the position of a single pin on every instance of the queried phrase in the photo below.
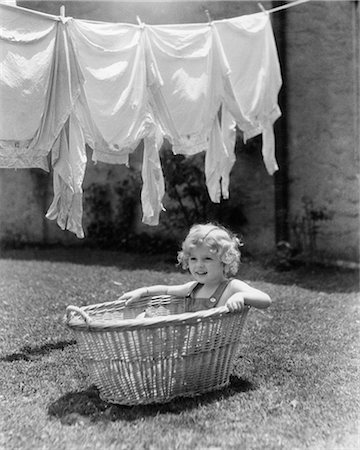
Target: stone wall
(322, 88)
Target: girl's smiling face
(205, 266)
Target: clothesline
(111, 86)
(289, 5)
(62, 10)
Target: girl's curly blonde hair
(220, 241)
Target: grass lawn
(295, 384)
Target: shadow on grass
(91, 256)
(28, 353)
(74, 406)
(312, 276)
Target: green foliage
(187, 200)
(111, 216)
(98, 213)
(306, 227)
(110, 211)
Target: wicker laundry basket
(138, 360)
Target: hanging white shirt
(194, 73)
(111, 57)
(249, 46)
(195, 84)
(114, 108)
(37, 89)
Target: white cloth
(37, 88)
(250, 49)
(195, 85)
(114, 108)
(153, 188)
(27, 49)
(121, 83)
(219, 161)
(111, 57)
(228, 131)
(69, 163)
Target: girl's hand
(235, 302)
(131, 296)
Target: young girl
(211, 253)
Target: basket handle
(78, 310)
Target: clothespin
(62, 14)
(262, 8)
(141, 24)
(208, 16)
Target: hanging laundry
(153, 189)
(195, 84)
(112, 61)
(218, 164)
(69, 163)
(118, 84)
(37, 88)
(228, 132)
(114, 108)
(250, 49)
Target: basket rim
(92, 324)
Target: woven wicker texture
(150, 351)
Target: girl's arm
(161, 289)
(242, 294)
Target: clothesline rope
(289, 5)
(62, 10)
(31, 11)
